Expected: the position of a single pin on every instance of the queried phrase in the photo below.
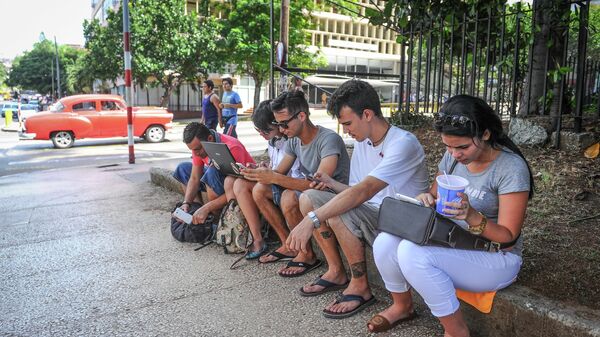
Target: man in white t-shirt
(386, 160)
(241, 189)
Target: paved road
(33, 155)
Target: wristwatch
(314, 219)
(477, 230)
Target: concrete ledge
(163, 177)
(517, 312)
(520, 312)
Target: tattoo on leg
(358, 269)
(326, 234)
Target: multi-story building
(349, 44)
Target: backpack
(192, 233)
(232, 231)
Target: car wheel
(155, 134)
(62, 139)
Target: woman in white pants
(493, 206)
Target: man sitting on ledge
(386, 160)
(201, 175)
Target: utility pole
(128, 91)
(57, 69)
(271, 77)
(283, 39)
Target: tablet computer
(222, 159)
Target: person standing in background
(230, 103)
(211, 106)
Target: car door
(114, 116)
(87, 110)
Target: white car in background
(28, 110)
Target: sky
(23, 21)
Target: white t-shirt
(399, 161)
(276, 154)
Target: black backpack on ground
(192, 233)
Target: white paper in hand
(183, 216)
(408, 199)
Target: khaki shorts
(360, 221)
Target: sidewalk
(88, 252)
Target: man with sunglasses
(386, 160)
(319, 150)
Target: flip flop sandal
(381, 324)
(307, 267)
(256, 254)
(279, 257)
(327, 287)
(362, 303)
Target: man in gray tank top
(318, 150)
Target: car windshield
(57, 107)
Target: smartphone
(311, 178)
(183, 216)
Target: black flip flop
(327, 287)
(347, 298)
(279, 257)
(307, 267)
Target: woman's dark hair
(263, 116)
(294, 101)
(468, 116)
(357, 95)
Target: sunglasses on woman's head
(284, 124)
(441, 119)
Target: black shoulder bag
(426, 227)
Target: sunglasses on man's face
(284, 124)
(441, 119)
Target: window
(108, 106)
(85, 106)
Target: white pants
(435, 272)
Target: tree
(246, 32)
(551, 19)
(168, 46)
(3, 74)
(173, 46)
(104, 44)
(33, 69)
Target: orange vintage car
(95, 116)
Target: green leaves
(33, 69)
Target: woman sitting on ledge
(493, 206)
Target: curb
(517, 311)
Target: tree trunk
(548, 41)
(257, 87)
(168, 86)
